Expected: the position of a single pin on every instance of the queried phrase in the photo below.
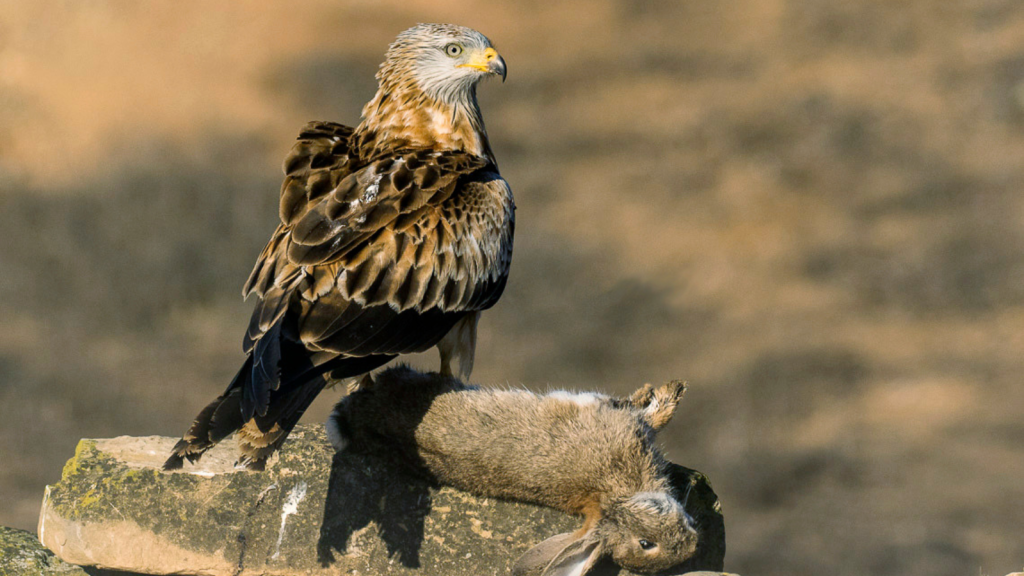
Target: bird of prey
(394, 236)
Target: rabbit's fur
(582, 453)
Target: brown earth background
(811, 210)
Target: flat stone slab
(311, 512)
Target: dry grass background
(812, 210)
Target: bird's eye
(453, 50)
(647, 544)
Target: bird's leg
(447, 348)
(363, 382)
(459, 344)
(466, 350)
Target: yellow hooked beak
(487, 61)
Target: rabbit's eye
(647, 544)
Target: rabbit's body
(583, 453)
(504, 437)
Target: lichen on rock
(21, 554)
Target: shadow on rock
(367, 489)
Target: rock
(312, 512)
(21, 554)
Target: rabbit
(583, 453)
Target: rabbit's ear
(642, 397)
(561, 555)
(663, 402)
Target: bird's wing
(382, 257)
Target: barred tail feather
(215, 422)
(262, 434)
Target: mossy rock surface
(311, 511)
(21, 554)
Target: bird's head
(445, 61)
(427, 93)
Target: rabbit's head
(646, 533)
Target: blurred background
(811, 210)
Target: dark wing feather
(266, 372)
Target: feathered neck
(402, 115)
